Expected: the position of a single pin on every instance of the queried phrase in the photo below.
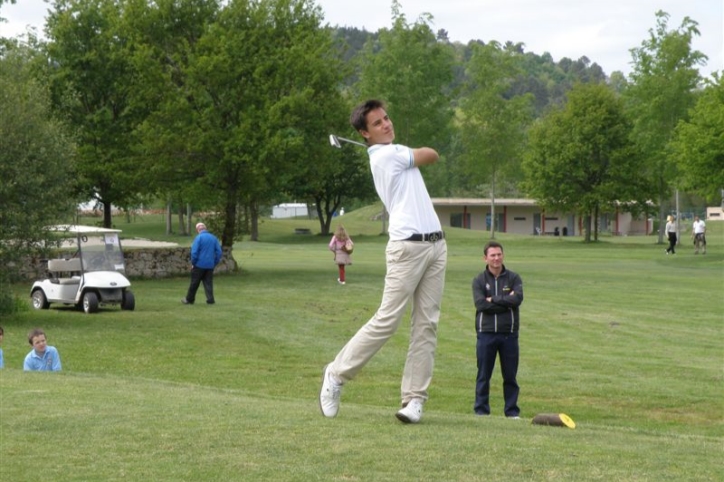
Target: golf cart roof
(80, 229)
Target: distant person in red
(205, 255)
(341, 245)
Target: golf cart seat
(65, 271)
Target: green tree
(582, 158)
(698, 144)
(92, 81)
(163, 39)
(36, 164)
(411, 70)
(659, 95)
(328, 177)
(248, 95)
(493, 124)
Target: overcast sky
(602, 30)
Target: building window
(456, 220)
(518, 219)
(499, 220)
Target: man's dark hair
(358, 119)
(492, 244)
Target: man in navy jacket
(205, 255)
(497, 294)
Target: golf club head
(334, 141)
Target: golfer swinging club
(416, 256)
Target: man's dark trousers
(199, 275)
(489, 346)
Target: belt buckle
(434, 237)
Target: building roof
(482, 202)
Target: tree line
(225, 107)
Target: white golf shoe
(329, 395)
(412, 413)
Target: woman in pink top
(341, 245)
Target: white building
(715, 213)
(524, 216)
(289, 210)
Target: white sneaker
(412, 413)
(329, 395)
(340, 281)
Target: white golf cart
(92, 277)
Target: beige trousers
(415, 272)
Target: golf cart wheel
(90, 302)
(129, 301)
(40, 302)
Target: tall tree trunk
(181, 222)
(227, 236)
(587, 223)
(189, 221)
(169, 224)
(254, 215)
(325, 221)
(662, 209)
(596, 219)
(107, 218)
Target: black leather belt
(431, 237)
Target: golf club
(334, 140)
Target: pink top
(335, 244)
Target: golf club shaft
(352, 142)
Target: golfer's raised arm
(424, 156)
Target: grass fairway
(627, 341)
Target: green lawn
(627, 341)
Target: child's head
(36, 338)
(340, 233)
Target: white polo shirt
(401, 188)
(699, 227)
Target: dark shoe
(187, 302)
(210, 302)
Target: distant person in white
(416, 260)
(698, 232)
